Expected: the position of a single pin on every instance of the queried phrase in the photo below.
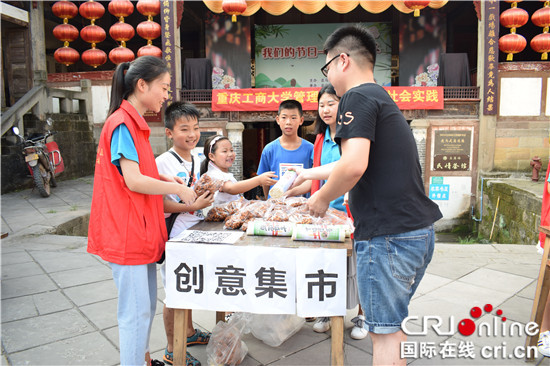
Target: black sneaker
(156, 363)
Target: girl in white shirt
(220, 156)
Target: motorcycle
(43, 159)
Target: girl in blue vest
(127, 227)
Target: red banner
(268, 99)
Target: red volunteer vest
(125, 227)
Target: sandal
(199, 337)
(189, 360)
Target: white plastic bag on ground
(274, 329)
(225, 346)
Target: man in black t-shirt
(394, 237)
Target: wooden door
(16, 50)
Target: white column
(235, 135)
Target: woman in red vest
(325, 152)
(127, 227)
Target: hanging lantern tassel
(417, 5)
(234, 8)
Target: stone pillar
(235, 135)
(420, 132)
(38, 37)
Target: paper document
(213, 237)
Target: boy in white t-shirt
(182, 127)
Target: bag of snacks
(225, 346)
(217, 213)
(207, 183)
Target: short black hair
(291, 104)
(177, 110)
(354, 39)
(320, 125)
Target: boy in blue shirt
(289, 150)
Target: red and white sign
(268, 99)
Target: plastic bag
(207, 183)
(225, 346)
(217, 213)
(273, 330)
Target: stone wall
(74, 138)
(518, 216)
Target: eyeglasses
(324, 69)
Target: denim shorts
(389, 269)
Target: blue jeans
(389, 269)
(137, 302)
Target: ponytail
(210, 147)
(127, 75)
(117, 87)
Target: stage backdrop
(291, 55)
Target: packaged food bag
(207, 183)
(274, 329)
(226, 346)
(283, 184)
(317, 232)
(269, 228)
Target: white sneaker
(358, 331)
(321, 325)
(544, 343)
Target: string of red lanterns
(541, 42)
(513, 18)
(234, 8)
(120, 31)
(92, 33)
(65, 32)
(149, 29)
(416, 5)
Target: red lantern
(149, 50)
(148, 30)
(121, 8)
(121, 54)
(149, 8)
(94, 57)
(93, 34)
(122, 32)
(64, 9)
(541, 44)
(514, 18)
(66, 55)
(91, 10)
(65, 32)
(234, 8)
(511, 43)
(541, 18)
(417, 5)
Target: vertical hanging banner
(490, 57)
(168, 29)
